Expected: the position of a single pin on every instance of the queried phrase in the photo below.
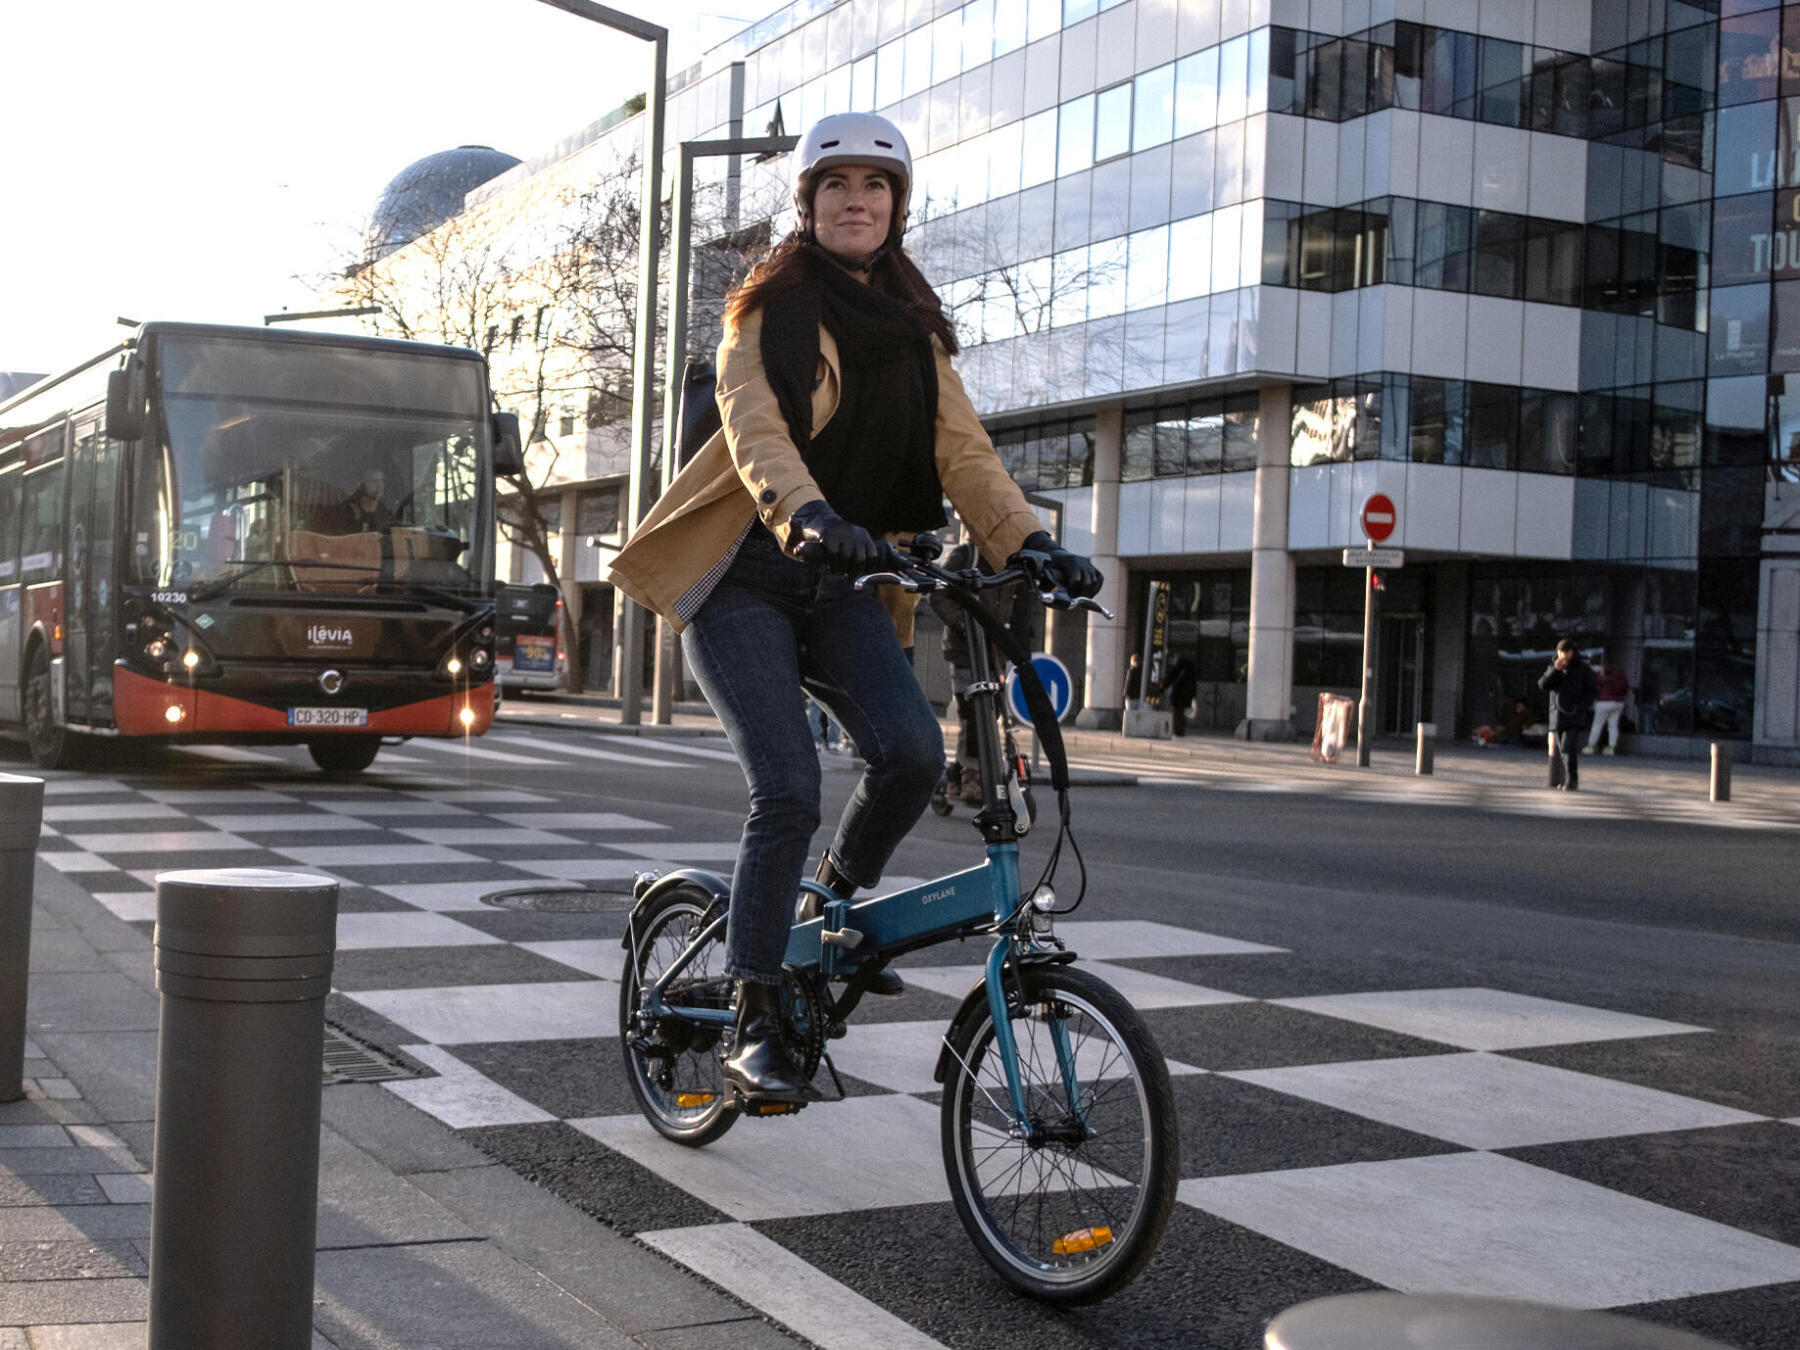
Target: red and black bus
(214, 534)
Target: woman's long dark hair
(894, 274)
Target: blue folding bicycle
(1058, 1122)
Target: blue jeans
(773, 627)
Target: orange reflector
(1082, 1240)
(692, 1099)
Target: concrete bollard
(243, 964)
(1719, 788)
(1427, 753)
(21, 820)
(1386, 1321)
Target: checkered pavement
(1462, 1138)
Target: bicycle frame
(986, 898)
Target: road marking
(477, 752)
(775, 1282)
(230, 754)
(584, 752)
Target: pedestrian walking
(822, 723)
(1614, 687)
(1184, 683)
(1570, 682)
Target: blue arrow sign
(1057, 685)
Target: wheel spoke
(1073, 1209)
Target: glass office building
(1225, 268)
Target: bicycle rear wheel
(673, 1064)
(1072, 1213)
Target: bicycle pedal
(756, 1108)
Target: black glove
(1041, 558)
(831, 539)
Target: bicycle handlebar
(915, 572)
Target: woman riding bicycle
(843, 422)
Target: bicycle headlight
(1043, 899)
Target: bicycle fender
(711, 882)
(974, 1002)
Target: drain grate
(561, 900)
(348, 1060)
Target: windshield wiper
(465, 603)
(251, 567)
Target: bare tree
(542, 281)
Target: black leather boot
(887, 981)
(761, 1067)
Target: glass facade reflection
(1536, 277)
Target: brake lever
(1087, 602)
(887, 579)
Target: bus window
(40, 525)
(9, 528)
(263, 469)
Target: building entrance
(1400, 666)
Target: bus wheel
(50, 744)
(344, 754)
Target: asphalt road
(1392, 898)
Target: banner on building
(1156, 644)
(1331, 732)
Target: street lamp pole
(680, 226)
(643, 388)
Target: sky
(190, 159)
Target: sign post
(1378, 520)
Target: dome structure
(428, 192)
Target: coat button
(768, 496)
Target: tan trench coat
(751, 467)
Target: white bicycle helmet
(853, 138)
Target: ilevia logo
(930, 896)
(321, 636)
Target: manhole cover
(561, 900)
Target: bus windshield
(304, 467)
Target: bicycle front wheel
(1072, 1210)
(672, 1063)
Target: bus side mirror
(125, 396)
(509, 452)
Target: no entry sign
(1379, 517)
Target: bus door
(92, 598)
(41, 541)
(10, 650)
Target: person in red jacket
(1614, 689)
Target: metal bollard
(1427, 753)
(21, 820)
(1719, 789)
(243, 963)
(1384, 1321)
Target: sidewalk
(1108, 757)
(423, 1242)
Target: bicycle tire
(1049, 1217)
(673, 1065)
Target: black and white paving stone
(1335, 1136)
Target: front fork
(1005, 862)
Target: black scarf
(875, 461)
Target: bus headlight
(157, 650)
(454, 666)
(191, 658)
(466, 716)
(174, 713)
(479, 658)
